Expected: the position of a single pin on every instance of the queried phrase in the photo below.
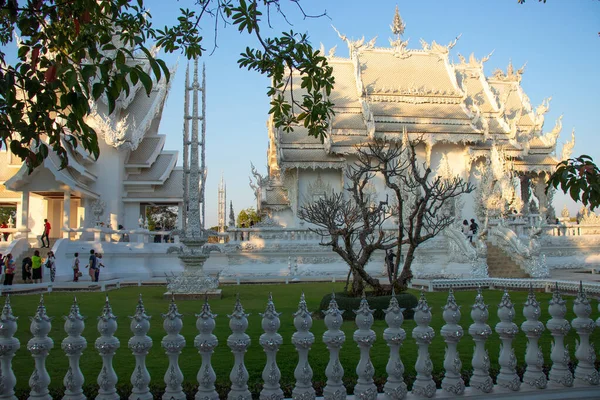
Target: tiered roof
(381, 91)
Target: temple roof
(171, 190)
(147, 151)
(158, 173)
(384, 91)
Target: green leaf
(146, 81)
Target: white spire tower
(222, 211)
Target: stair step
(500, 264)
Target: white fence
(560, 383)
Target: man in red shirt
(46, 234)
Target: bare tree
(353, 225)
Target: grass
(254, 298)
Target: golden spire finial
(398, 25)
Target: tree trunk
(348, 280)
(406, 275)
(368, 279)
(358, 285)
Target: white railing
(560, 383)
(122, 235)
(572, 229)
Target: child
(76, 272)
(26, 270)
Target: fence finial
(534, 358)
(586, 355)
(270, 341)
(507, 330)
(559, 327)
(423, 334)
(9, 345)
(303, 339)
(452, 333)
(480, 331)
(39, 346)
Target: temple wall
(132, 214)
(110, 165)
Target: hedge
(345, 302)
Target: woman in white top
(50, 263)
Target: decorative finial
(398, 25)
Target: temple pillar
(23, 219)
(540, 192)
(66, 214)
(525, 192)
(180, 216)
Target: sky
(558, 40)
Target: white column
(66, 213)
(24, 215)
(39, 346)
(73, 346)
(9, 344)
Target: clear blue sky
(558, 40)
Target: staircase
(501, 265)
(29, 253)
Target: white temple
(133, 171)
(469, 123)
(482, 128)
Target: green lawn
(254, 300)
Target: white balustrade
(73, 346)
(480, 331)
(534, 358)
(585, 372)
(507, 330)
(106, 345)
(334, 338)
(452, 333)
(303, 339)
(559, 327)
(394, 335)
(270, 342)
(140, 344)
(39, 346)
(423, 335)
(8, 347)
(206, 342)
(238, 342)
(364, 337)
(173, 343)
(563, 384)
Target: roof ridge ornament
(398, 25)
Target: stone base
(209, 294)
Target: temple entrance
(56, 213)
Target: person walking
(9, 269)
(76, 272)
(389, 261)
(92, 264)
(474, 227)
(51, 264)
(99, 264)
(46, 234)
(26, 270)
(36, 267)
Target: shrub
(378, 303)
